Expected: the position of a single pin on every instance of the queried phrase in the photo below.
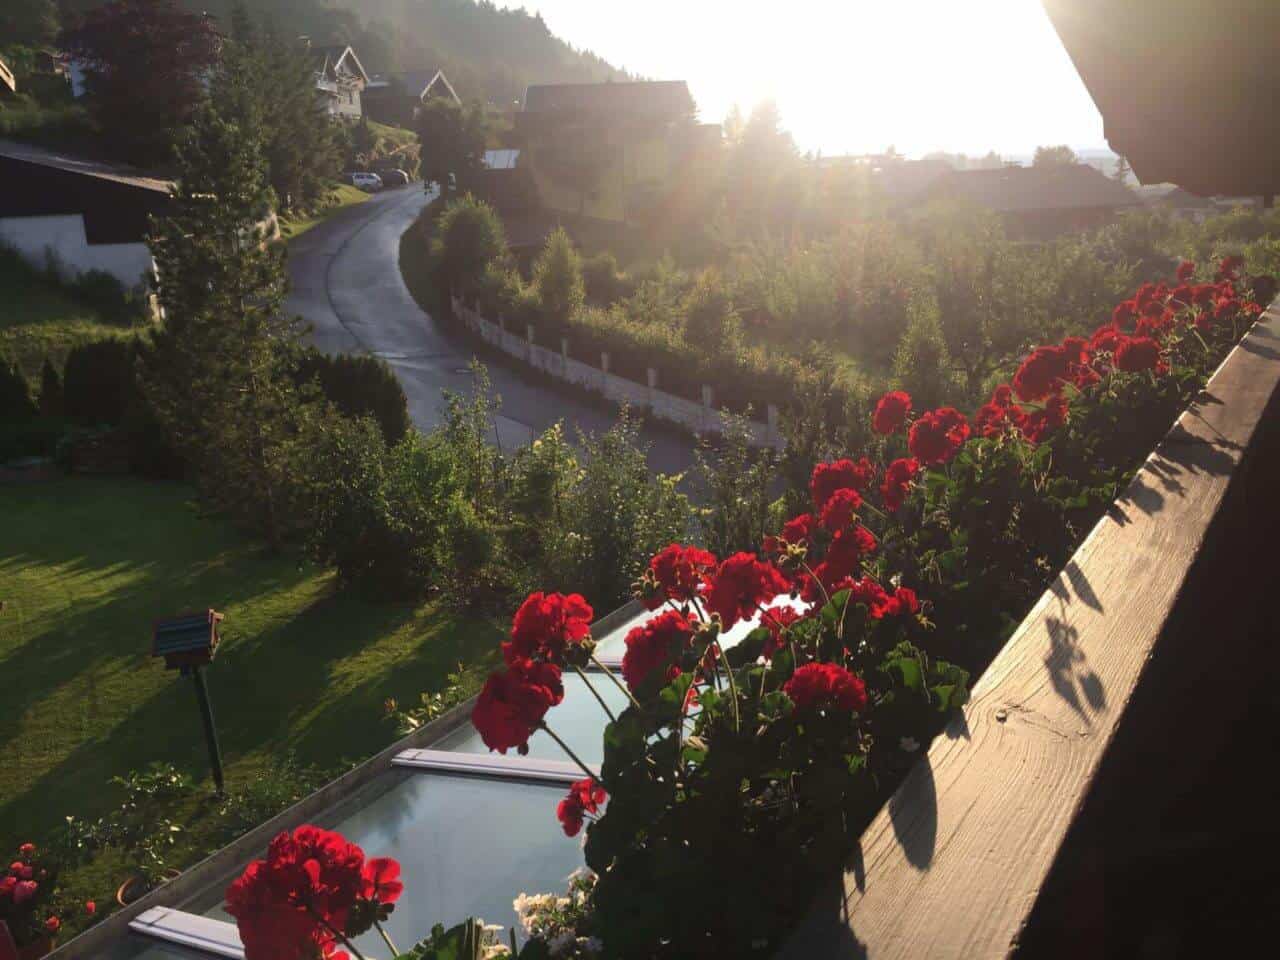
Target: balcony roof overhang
(1187, 90)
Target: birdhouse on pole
(187, 640)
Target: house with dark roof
(608, 151)
(1038, 202)
(340, 80)
(80, 214)
(397, 97)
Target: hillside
(488, 52)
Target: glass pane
(614, 642)
(134, 946)
(466, 846)
(578, 721)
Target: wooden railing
(955, 862)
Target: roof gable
(1048, 187)
(651, 98)
(329, 59)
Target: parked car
(367, 181)
(394, 178)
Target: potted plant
(29, 923)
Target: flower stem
(733, 687)
(339, 934)
(572, 756)
(618, 683)
(596, 693)
(386, 939)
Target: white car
(367, 181)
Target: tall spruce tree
(221, 375)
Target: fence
(702, 418)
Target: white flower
(590, 945)
(563, 902)
(909, 744)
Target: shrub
(603, 281)
(50, 390)
(16, 402)
(922, 365)
(359, 385)
(469, 236)
(711, 324)
(557, 277)
(108, 296)
(378, 514)
(99, 381)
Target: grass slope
(38, 320)
(87, 563)
(343, 195)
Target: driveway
(345, 281)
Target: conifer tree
(221, 376)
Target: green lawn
(39, 320)
(343, 195)
(86, 563)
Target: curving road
(345, 281)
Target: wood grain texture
(952, 865)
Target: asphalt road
(345, 282)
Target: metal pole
(210, 732)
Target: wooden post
(706, 395)
(604, 362)
(210, 731)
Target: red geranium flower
(827, 478)
(897, 482)
(777, 619)
(1040, 373)
(24, 890)
(679, 570)
(1226, 309)
(842, 506)
(27, 849)
(513, 703)
(1186, 270)
(797, 531)
(891, 413)
(904, 602)
(545, 624)
(52, 925)
(1002, 396)
(654, 645)
(938, 436)
(90, 907)
(7, 885)
(584, 796)
(825, 686)
(1106, 337)
(1135, 354)
(1123, 313)
(1202, 294)
(288, 905)
(381, 880)
(1041, 423)
(740, 586)
(847, 549)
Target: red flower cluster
(938, 436)
(848, 547)
(797, 531)
(891, 412)
(827, 478)
(545, 625)
(825, 686)
(1186, 270)
(678, 572)
(585, 796)
(1041, 373)
(654, 645)
(878, 601)
(897, 482)
(740, 586)
(840, 510)
(1136, 354)
(513, 703)
(288, 906)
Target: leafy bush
(711, 324)
(603, 281)
(107, 295)
(469, 236)
(557, 277)
(99, 381)
(16, 401)
(359, 385)
(922, 365)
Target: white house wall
(33, 237)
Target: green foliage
(278, 785)
(737, 483)
(51, 404)
(359, 385)
(711, 324)
(469, 237)
(1059, 156)
(557, 277)
(32, 22)
(922, 365)
(222, 375)
(453, 141)
(16, 402)
(603, 281)
(99, 381)
(382, 516)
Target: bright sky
(853, 76)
